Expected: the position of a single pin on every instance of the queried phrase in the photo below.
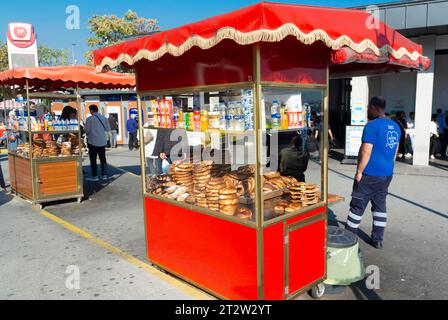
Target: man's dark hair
(93, 108)
(439, 111)
(378, 102)
(434, 117)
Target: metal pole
(30, 137)
(4, 103)
(73, 54)
(325, 141)
(142, 144)
(259, 195)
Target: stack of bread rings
(183, 176)
(212, 190)
(228, 201)
(304, 194)
(201, 178)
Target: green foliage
(53, 57)
(4, 64)
(110, 29)
(47, 57)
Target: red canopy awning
(61, 77)
(273, 22)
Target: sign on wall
(359, 113)
(353, 140)
(22, 45)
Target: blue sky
(48, 17)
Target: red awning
(83, 77)
(272, 22)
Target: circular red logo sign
(20, 32)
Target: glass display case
(200, 151)
(45, 156)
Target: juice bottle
(181, 120)
(284, 118)
(186, 116)
(191, 121)
(204, 120)
(197, 119)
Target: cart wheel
(39, 206)
(318, 291)
(79, 200)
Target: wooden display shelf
(47, 179)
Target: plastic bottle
(204, 120)
(229, 116)
(275, 115)
(222, 116)
(284, 118)
(191, 121)
(197, 119)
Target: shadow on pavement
(4, 198)
(91, 188)
(132, 169)
(441, 214)
(361, 291)
(439, 165)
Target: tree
(52, 57)
(4, 64)
(110, 29)
(47, 57)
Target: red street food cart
(45, 159)
(241, 212)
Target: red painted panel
(225, 63)
(290, 61)
(274, 262)
(307, 215)
(214, 253)
(306, 255)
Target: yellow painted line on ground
(183, 286)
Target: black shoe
(377, 244)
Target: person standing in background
(446, 136)
(401, 121)
(375, 171)
(97, 128)
(132, 128)
(434, 136)
(411, 133)
(441, 127)
(113, 123)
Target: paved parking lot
(36, 250)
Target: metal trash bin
(345, 263)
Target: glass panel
(52, 136)
(200, 150)
(292, 152)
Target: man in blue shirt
(132, 128)
(377, 157)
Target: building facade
(424, 22)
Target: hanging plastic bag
(166, 166)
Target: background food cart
(41, 169)
(261, 58)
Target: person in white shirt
(434, 134)
(97, 129)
